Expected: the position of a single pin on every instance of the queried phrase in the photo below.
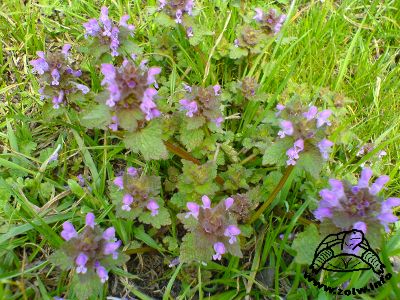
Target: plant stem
(180, 152)
(272, 196)
(185, 155)
(250, 157)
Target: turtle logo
(346, 251)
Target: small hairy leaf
(86, 285)
(305, 245)
(161, 219)
(96, 116)
(237, 52)
(276, 152)
(148, 142)
(191, 138)
(164, 20)
(194, 250)
(61, 259)
(311, 162)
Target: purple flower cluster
(249, 86)
(130, 88)
(136, 194)
(203, 102)
(249, 38)
(305, 128)
(271, 21)
(56, 77)
(90, 248)
(357, 206)
(176, 8)
(106, 31)
(214, 224)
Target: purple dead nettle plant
(357, 206)
(203, 102)
(249, 38)
(176, 8)
(92, 251)
(306, 127)
(107, 32)
(214, 228)
(58, 80)
(130, 93)
(270, 22)
(138, 196)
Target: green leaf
(276, 153)
(171, 242)
(305, 245)
(130, 47)
(161, 219)
(46, 190)
(195, 122)
(237, 52)
(191, 250)
(96, 116)
(87, 285)
(311, 162)
(191, 138)
(127, 118)
(61, 259)
(232, 154)
(164, 20)
(199, 33)
(148, 142)
(179, 200)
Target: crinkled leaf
(276, 152)
(86, 285)
(161, 219)
(305, 245)
(193, 250)
(199, 33)
(237, 52)
(232, 154)
(127, 119)
(164, 20)
(195, 122)
(96, 116)
(61, 259)
(179, 200)
(148, 142)
(171, 242)
(191, 138)
(311, 162)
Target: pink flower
(229, 202)
(90, 220)
(153, 207)
(232, 231)
(119, 182)
(81, 261)
(206, 201)
(193, 210)
(127, 200)
(219, 250)
(69, 231)
(287, 128)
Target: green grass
(350, 47)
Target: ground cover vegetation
(195, 149)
